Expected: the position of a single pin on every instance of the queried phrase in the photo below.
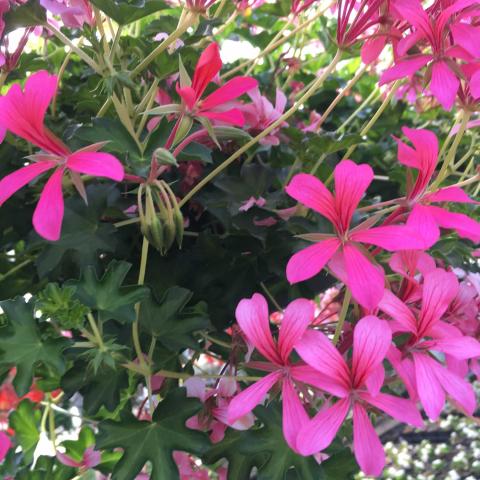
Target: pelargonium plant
(239, 239)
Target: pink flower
(343, 251)
(425, 217)
(245, 5)
(252, 202)
(91, 458)
(358, 387)
(253, 318)
(74, 13)
(260, 114)
(23, 113)
(187, 468)
(424, 376)
(210, 107)
(5, 445)
(298, 6)
(199, 6)
(432, 27)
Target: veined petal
(465, 35)
(311, 192)
(21, 177)
(439, 290)
(429, 388)
(297, 317)
(465, 226)
(252, 396)
(366, 444)
(405, 369)
(294, 416)
(188, 95)
(209, 64)
(372, 338)
(231, 90)
(395, 308)
(374, 381)
(319, 433)
(461, 348)
(310, 261)
(444, 85)
(449, 194)
(233, 116)
(48, 215)
(401, 409)
(252, 316)
(404, 68)
(351, 182)
(310, 376)
(98, 164)
(423, 222)
(365, 280)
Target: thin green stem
(96, 332)
(15, 269)
(366, 102)
(342, 316)
(3, 77)
(271, 297)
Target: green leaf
(154, 441)
(327, 143)
(29, 14)
(125, 12)
(266, 449)
(22, 346)
(107, 296)
(25, 421)
(171, 321)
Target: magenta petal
(475, 85)
(311, 192)
(252, 396)
(371, 340)
(330, 384)
(208, 65)
(450, 194)
(317, 350)
(444, 85)
(461, 348)
(188, 95)
(252, 316)
(69, 462)
(319, 433)
(5, 445)
(233, 116)
(395, 308)
(351, 182)
(311, 260)
(97, 164)
(18, 179)
(365, 280)
(48, 215)
(391, 238)
(297, 317)
(424, 224)
(372, 48)
(374, 381)
(429, 388)
(401, 409)
(294, 416)
(233, 89)
(467, 36)
(465, 226)
(404, 68)
(91, 457)
(366, 444)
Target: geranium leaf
(154, 441)
(125, 12)
(25, 421)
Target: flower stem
(342, 316)
(186, 376)
(369, 99)
(96, 331)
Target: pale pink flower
(252, 202)
(23, 113)
(91, 458)
(343, 250)
(358, 387)
(74, 13)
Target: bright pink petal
(444, 85)
(366, 444)
(404, 68)
(310, 376)
(252, 396)
(374, 381)
(371, 340)
(252, 316)
(294, 416)
(18, 179)
(365, 280)
(450, 194)
(465, 226)
(23, 112)
(231, 90)
(475, 85)
(317, 350)
(372, 48)
(423, 222)
(209, 64)
(351, 182)
(401, 409)
(319, 433)
(91, 457)
(391, 238)
(466, 35)
(296, 318)
(405, 369)
(5, 445)
(232, 117)
(188, 95)
(461, 348)
(310, 191)
(48, 215)
(311, 260)
(97, 164)
(395, 308)
(429, 388)
(69, 462)
(439, 290)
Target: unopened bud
(164, 157)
